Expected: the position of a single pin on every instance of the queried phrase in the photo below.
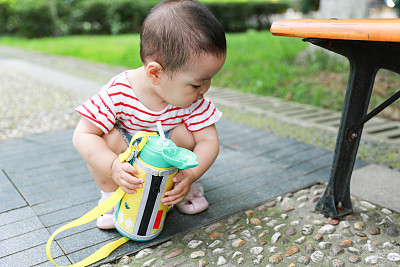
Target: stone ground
(285, 231)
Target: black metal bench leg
(365, 58)
(336, 199)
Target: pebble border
(285, 231)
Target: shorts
(128, 137)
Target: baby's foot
(106, 221)
(194, 202)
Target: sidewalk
(261, 212)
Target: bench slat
(384, 30)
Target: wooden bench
(369, 45)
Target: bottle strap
(133, 151)
(88, 217)
(101, 209)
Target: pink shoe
(194, 202)
(106, 221)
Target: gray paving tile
(231, 164)
(23, 242)
(238, 177)
(304, 156)
(65, 215)
(241, 135)
(10, 198)
(48, 173)
(314, 164)
(3, 179)
(271, 148)
(35, 256)
(247, 186)
(72, 231)
(62, 203)
(16, 215)
(86, 239)
(70, 191)
(20, 227)
(62, 261)
(40, 161)
(55, 184)
(289, 151)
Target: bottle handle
(133, 151)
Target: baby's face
(186, 86)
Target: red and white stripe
(117, 104)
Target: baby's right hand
(122, 175)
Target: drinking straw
(160, 131)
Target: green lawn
(257, 62)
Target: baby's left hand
(183, 180)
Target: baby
(182, 47)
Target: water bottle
(141, 216)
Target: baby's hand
(122, 175)
(183, 180)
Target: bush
(40, 18)
(32, 18)
(241, 16)
(397, 7)
(126, 16)
(89, 17)
(306, 6)
(5, 13)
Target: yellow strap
(100, 210)
(88, 217)
(131, 148)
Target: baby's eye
(196, 86)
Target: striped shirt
(117, 105)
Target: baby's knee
(182, 137)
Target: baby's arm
(90, 143)
(207, 149)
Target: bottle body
(141, 216)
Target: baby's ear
(153, 71)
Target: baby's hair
(176, 30)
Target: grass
(257, 62)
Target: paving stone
(336, 251)
(354, 259)
(33, 256)
(20, 228)
(10, 199)
(276, 258)
(337, 263)
(23, 242)
(394, 257)
(174, 253)
(360, 226)
(327, 229)
(393, 231)
(16, 215)
(292, 250)
(309, 248)
(317, 256)
(373, 259)
(291, 231)
(374, 230)
(308, 229)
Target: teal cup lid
(180, 157)
(152, 152)
(163, 153)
